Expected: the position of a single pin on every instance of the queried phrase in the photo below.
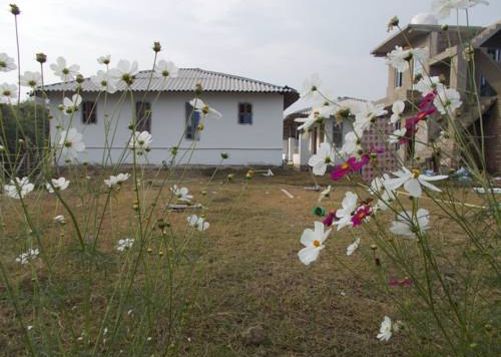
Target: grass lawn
(249, 294)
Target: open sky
(278, 41)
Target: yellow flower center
(316, 243)
(345, 166)
(416, 173)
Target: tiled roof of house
(186, 81)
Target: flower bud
(224, 155)
(14, 9)
(319, 211)
(393, 23)
(80, 79)
(445, 27)
(198, 89)
(41, 57)
(157, 47)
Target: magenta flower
(330, 218)
(361, 213)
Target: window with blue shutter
(192, 122)
(245, 113)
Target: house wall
(256, 144)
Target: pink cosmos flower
(330, 218)
(361, 213)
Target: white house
(250, 129)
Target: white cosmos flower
(59, 184)
(30, 254)
(313, 242)
(426, 85)
(344, 214)
(60, 219)
(105, 81)
(31, 79)
(113, 181)
(70, 106)
(351, 144)
(6, 63)
(385, 329)
(353, 247)
(307, 122)
(443, 8)
(407, 224)
(365, 114)
(124, 72)
(397, 109)
(181, 193)
(198, 222)
(8, 93)
(379, 188)
(397, 135)
(325, 193)
(166, 69)
(311, 86)
(323, 158)
(104, 59)
(140, 142)
(412, 181)
(63, 71)
(399, 58)
(19, 188)
(71, 143)
(447, 100)
(208, 112)
(124, 244)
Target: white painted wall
(256, 144)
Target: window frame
(143, 116)
(192, 120)
(245, 116)
(399, 79)
(89, 112)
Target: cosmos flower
(59, 184)
(181, 193)
(397, 136)
(385, 329)
(8, 93)
(397, 109)
(140, 141)
(413, 181)
(70, 106)
(18, 188)
(324, 157)
(325, 193)
(63, 71)
(166, 69)
(104, 59)
(427, 85)
(71, 143)
(124, 72)
(312, 240)
(365, 114)
(352, 144)
(443, 8)
(351, 165)
(344, 214)
(311, 86)
(30, 254)
(198, 222)
(353, 247)
(31, 79)
(408, 224)
(447, 100)
(59, 219)
(114, 181)
(105, 81)
(6, 63)
(124, 244)
(208, 112)
(400, 58)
